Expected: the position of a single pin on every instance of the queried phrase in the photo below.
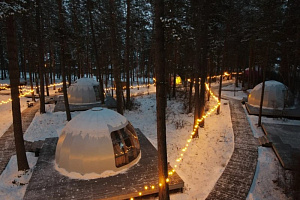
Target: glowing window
(126, 145)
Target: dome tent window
(126, 145)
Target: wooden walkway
(237, 177)
(292, 113)
(47, 183)
(7, 143)
(285, 140)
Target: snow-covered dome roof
(97, 141)
(83, 91)
(276, 95)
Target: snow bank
(13, 183)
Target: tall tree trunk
(202, 95)
(137, 68)
(263, 86)
(191, 94)
(37, 83)
(262, 97)
(251, 58)
(78, 50)
(47, 80)
(2, 61)
(30, 76)
(115, 58)
(209, 66)
(40, 56)
(127, 53)
(197, 103)
(204, 47)
(161, 100)
(14, 75)
(53, 67)
(96, 53)
(223, 67)
(62, 57)
(31, 82)
(220, 91)
(21, 55)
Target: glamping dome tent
(97, 141)
(276, 95)
(84, 90)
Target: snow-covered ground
(269, 172)
(202, 164)
(206, 157)
(6, 110)
(13, 183)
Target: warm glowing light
(178, 80)
(189, 140)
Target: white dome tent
(276, 95)
(84, 90)
(97, 141)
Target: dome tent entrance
(276, 95)
(97, 141)
(84, 90)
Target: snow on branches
(13, 7)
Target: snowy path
(7, 145)
(237, 177)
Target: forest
(87, 38)
(137, 42)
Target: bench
(30, 104)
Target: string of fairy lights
(23, 90)
(185, 147)
(131, 87)
(26, 90)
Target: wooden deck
(292, 113)
(285, 140)
(60, 105)
(47, 183)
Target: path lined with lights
(131, 87)
(185, 148)
(24, 90)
